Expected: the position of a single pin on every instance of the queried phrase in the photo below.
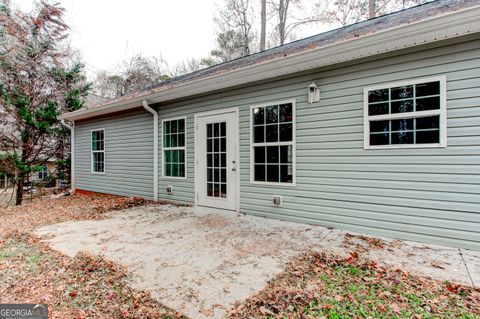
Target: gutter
(72, 152)
(155, 148)
(433, 29)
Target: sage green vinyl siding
(426, 194)
(430, 194)
(128, 155)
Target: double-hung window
(43, 172)
(407, 114)
(273, 143)
(98, 151)
(174, 149)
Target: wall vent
(169, 189)
(277, 200)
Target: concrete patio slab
(472, 261)
(196, 261)
(201, 261)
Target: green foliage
(4, 8)
(230, 45)
(72, 76)
(46, 116)
(38, 81)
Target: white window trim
(442, 112)
(174, 148)
(40, 172)
(92, 151)
(293, 143)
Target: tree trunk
(281, 24)
(371, 9)
(263, 29)
(21, 176)
(19, 191)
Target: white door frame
(197, 143)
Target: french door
(217, 170)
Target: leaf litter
(314, 285)
(320, 285)
(85, 286)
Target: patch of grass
(323, 286)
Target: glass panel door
(217, 160)
(216, 147)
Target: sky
(106, 32)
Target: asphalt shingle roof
(357, 30)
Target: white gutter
(72, 152)
(155, 148)
(433, 29)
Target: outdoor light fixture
(313, 93)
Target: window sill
(273, 184)
(174, 178)
(404, 146)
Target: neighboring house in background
(46, 170)
(374, 127)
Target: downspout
(155, 148)
(72, 152)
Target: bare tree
(191, 65)
(263, 24)
(345, 12)
(235, 34)
(38, 80)
(288, 18)
(372, 12)
(341, 12)
(282, 12)
(135, 73)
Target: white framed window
(409, 114)
(98, 151)
(272, 143)
(43, 172)
(174, 148)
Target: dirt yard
(202, 261)
(111, 257)
(84, 286)
(199, 262)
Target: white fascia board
(446, 26)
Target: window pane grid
(420, 103)
(174, 151)
(406, 136)
(98, 151)
(216, 144)
(272, 141)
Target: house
(41, 177)
(374, 127)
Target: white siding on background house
(425, 194)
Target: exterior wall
(430, 195)
(128, 155)
(51, 166)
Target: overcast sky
(108, 31)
